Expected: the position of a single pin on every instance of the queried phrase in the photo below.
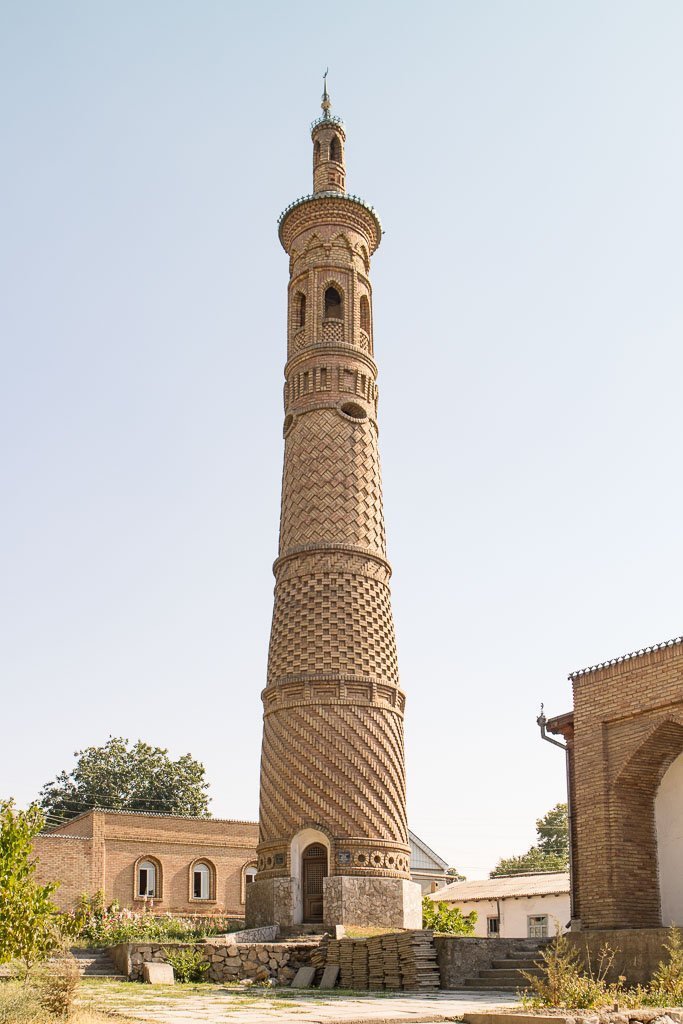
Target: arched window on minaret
(335, 149)
(334, 307)
(316, 154)
(365, 314)
(299, 310)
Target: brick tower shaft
(333, 829)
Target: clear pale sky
(526, 159)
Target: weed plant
(569, 983)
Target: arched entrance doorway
(669, 820)
(314, 869)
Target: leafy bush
(666, 987)
(30, 923)
(444, 918)
(187, 964)
(98, 925)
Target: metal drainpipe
(541, 722)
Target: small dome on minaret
(327, 133)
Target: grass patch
(369, 933)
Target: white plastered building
(513, 906)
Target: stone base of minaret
(347, 899)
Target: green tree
(550, 852)
(455, 876)
(29, 920)
(131, 778)
(553, 832)
(442, 917)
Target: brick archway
(634, 834)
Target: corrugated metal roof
(545, 883)
(626, 657)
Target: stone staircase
(505, 975)
(96, 963)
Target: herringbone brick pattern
(331, 487)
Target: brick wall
(628, 729)
(118, 841)
(66, 859)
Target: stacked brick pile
(419, 967)
(320, 954)
(375, 963)
(405, 960)
(360, 965)
(390, 962)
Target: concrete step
(490, 984)
(514, 965)
(509, 975)
(95, 963)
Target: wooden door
(314, 870)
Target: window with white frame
(537, 926)
(492, 927)
(147, 879)
(201, 882)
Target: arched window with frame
(316, 154)
(365, 314)
(202, 881)
(148, 879)
(334, 304)
(335, 149)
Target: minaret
(333, 843)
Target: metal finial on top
(326, 103)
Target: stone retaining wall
(461, 956)
(638, 951)
(229, 961)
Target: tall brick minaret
(333, 842)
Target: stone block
(158, 974)
(304, 977)
(267, 933)
(330, 976)
(372, 902)
(268, 900)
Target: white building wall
(515, 912)
(669, 821)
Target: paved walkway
(224, 1005)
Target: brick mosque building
(624, 743)
(333, 834)
(159, 862)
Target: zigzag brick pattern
(352, 747)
